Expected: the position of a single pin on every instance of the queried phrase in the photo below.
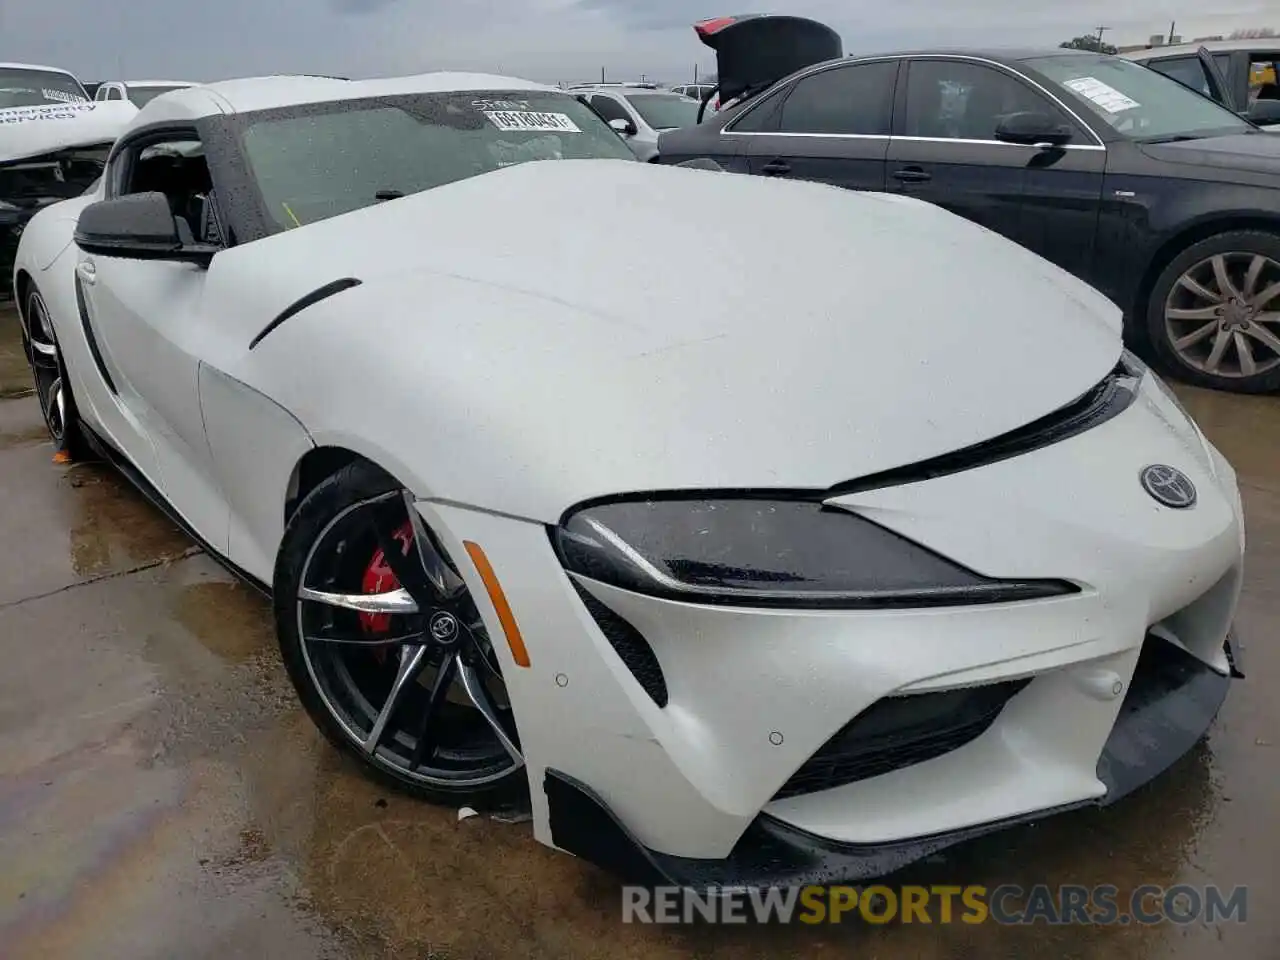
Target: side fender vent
(630, 645)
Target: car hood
(1249, 152)
(34, 131)
(534, 342)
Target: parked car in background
(53, 142)
(1160, 198)
(138, 92)
(1244, 79)
(697, 91)
(639, 114)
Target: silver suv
(639, 113)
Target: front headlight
(1141, 370)
(760, 552)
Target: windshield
(141, 96)
(322, 160)
(1136, 101)
(665, 111)
(37, 88)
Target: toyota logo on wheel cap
(443, 628)
(1168, 485)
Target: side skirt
(122, 463)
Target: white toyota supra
(879, 543)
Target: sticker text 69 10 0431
(521, 120)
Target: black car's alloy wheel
(386, 647)
(1214, 316)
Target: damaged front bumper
(1172, 700)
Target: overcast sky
(540, 39)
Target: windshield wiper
(382, 195)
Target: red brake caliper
(379, 578)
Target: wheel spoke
(1195, 336)
(393, 601)
(1263, 335)
(410, 663)
(386, 521)
(437, 571)
(1223, 279)
(479, 697)
(370, 641)
(1252, 274)
(1247, 365)
(1220, 343)
(1266, 318)
(425, 745)
(1200, 313)
(1190, 283)
(1260, 301)
(55, 405)
(44, 349)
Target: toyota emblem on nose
(1169, 486)
(443, 628)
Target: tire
(52, 384)
(348, 523)
(1212, 337)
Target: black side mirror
(139, 226)
(1264, 111)
(1033, 129)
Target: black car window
(609, 108)
(1262, 77)
(961, 100)
(853, 99)
(1188, 71)
(760, 118)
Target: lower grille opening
(630, 644)
(898, 732)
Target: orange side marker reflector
(62, 457)
(499, 599)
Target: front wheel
(386, 648)
(53, 386)
(1213, 318)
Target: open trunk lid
(755, 51)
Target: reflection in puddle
(15, 372)
(114, 526)
(229, 618)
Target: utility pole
(695, 73)
(1172, 26)
(602, 74)
(1101, 31)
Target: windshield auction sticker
(519, 121)
(1107, 97)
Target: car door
(145, 317)
(945, 151)
(831, 125)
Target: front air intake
(630, 645)
(899, 732)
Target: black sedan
(1160, 198)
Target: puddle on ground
(15, 372)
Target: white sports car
(880, 543)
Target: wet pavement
(163, 796)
